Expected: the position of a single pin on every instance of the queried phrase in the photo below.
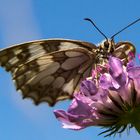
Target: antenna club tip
(87, 19)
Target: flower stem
(136, 119)
(137, 126)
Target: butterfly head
(107, 46)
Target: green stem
(137, 126)
(135, 119)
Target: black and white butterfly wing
(124, 51)
(48, 70)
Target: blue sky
(26, 20)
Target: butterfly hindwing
(49, 74)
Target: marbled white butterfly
(51, 70)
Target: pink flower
(112, 101)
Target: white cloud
(18, 24)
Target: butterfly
(51, 70)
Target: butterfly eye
(106, 44)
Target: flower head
(111, 101)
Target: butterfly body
(51, 70)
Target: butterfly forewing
(48, 70)
(125, 51)
(17, 55)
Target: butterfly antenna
(88, 19)
(125, 28)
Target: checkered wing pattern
(48, 70)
